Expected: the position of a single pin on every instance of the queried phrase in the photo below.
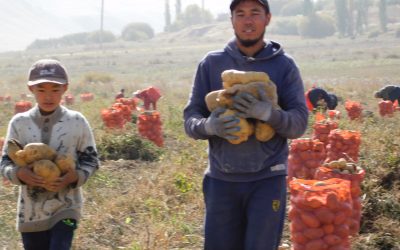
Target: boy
(47, 219)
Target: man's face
(48, 95)
(249, 20)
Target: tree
(316, 26)
(308, 8)
(383, 15)
(361, 15)
(350, 24)
(137, 32)
(167, 16)
(341, 16)
(178, 8)
(192, 15)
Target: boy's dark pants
(57, 238)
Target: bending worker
(318, 98)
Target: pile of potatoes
(43, 160)
(343, 166)
(235, 82)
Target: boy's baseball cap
(235, 3)
(47, 70)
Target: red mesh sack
(386, 108)
(334, 114)
(322, 129)
(113, 118)
(150, 126)
(343, 144)
(354, 109)
(22, 106)
(86, 97)
(396, 106)
(318, 214)
(69, 99)
(131, 102)
(305, 156)
(125, 110)
(324, 173)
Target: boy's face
(48, 95)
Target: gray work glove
(222, 126)
(250, 107)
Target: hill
(135, 204)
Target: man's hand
(62, 182)
(250, 107)
(222, 126)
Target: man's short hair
(235, 3)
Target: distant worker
(389, 93)
(318, 98)
(121, 94)
(149, 96)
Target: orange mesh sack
(386, 108)
(318, 214)
(343, 144)
(113, 118)
(125, 110)
(69, 99)
(322, 129)
(354, 109)
(334, 114)
(305, 156)
(131, 102)
(22, 106)
(355, 175)
(86, 97)
(150, 126)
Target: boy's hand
(60, 183)
(27, 176)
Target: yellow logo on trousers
(275, 205)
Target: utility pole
(101, 24)
(202, 5)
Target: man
(318, 98)
(389, 93)
(120, 94)
(245, 184)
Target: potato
(36, 151)
(65, 162)
(46, 169)
(211, 100)
(263, 131)
(246, 128)
(232, 77)
(253, 89)
(13, 146)
(236, 82)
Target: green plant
(183, 183)
(129, 146)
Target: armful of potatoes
(44, 160)
(235, 82)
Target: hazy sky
(23, 21)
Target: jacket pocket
(247, 157)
